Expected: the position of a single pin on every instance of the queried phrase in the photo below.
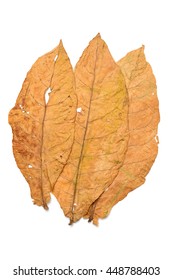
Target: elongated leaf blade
(43, 131)
(101, 131)
(143, 126)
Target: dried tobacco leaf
(101, 131)
(43, 131)
(95, 139)
(143, 142)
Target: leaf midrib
(84, 138)
(42, 139)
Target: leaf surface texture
(101, 131)
(87, 135)
(143, 142)
(43, 132)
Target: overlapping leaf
(43, 132)
(95, 140)
(143, 143)
(101, 133)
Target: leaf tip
(98, 36)
(60, 43)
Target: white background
(138, 231)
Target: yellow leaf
(101, 131)
(43, 122)
(89, 136)
(143, 141)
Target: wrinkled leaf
(101, 131)
(89, 136)
(143, 142)
(43, 131)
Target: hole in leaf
(156, 139)
(56, 57)
(47, 95)
(29, 166)
(79, 110)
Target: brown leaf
(91, 152)
(101, 131)
(143, 142)
(43, 131)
